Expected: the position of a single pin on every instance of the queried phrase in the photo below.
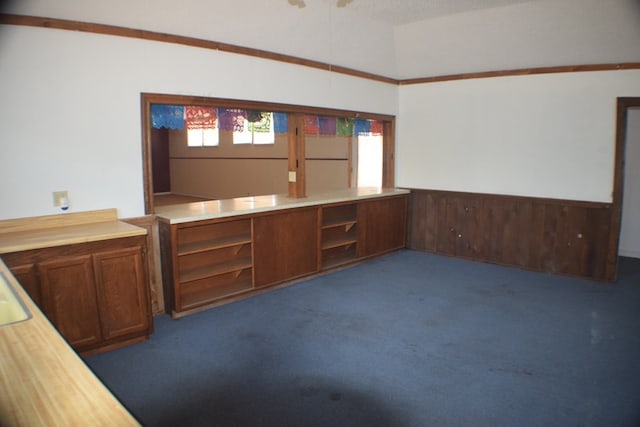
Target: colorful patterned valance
(167, 116)
(200, 117)
(327, 125)
(232, 119)
(280, 122)
(260, 122)
(344, 127)
(311, 125)
(376, 127)
(361, 126)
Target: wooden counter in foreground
(43, 382)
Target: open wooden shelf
(339, 234)
(195, 247)
(214, 269)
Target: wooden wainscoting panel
(422, 221)
(554, 236)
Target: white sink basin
(12, 309)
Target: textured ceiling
(399, 12)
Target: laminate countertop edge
(67, 235)
(43, 382)
(213, 209)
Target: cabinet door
(382, 225)
(27, 275)
(285, 246)
(69, 298)
(121, 292)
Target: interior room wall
(541, 33)
(546, 135)
(228, 170)
(319, 31)
(630, 227)
(327, 163)
(71, 110)
(228, 178)
(237, 170)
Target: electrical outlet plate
(292, 176)
(58, 197)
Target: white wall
(71, 109)
(539, 33)
(320, 31)
(549, 135)
(630, 227)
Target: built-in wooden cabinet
(209, 260)
(96, 294)
(212, 261)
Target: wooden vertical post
(388, 153)
(297, 168)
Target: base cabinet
(383, 225)
(209, 262)
(285, 246)
(95, 294)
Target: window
(369, 165)
(202, 126)
(203, 137)
(257, 129)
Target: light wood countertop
(43, 382)
(64, 229)
(211, 209)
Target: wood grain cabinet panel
(383, 225)
(285, 245)
(27, 275)
(120, 292)
(69, 299)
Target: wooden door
(69, 298)
(285, 245)
(121, 292)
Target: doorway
(629, 244)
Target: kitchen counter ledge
(63, 229)
(212, 209)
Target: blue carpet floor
(408, 339)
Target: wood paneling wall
(554, 236)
